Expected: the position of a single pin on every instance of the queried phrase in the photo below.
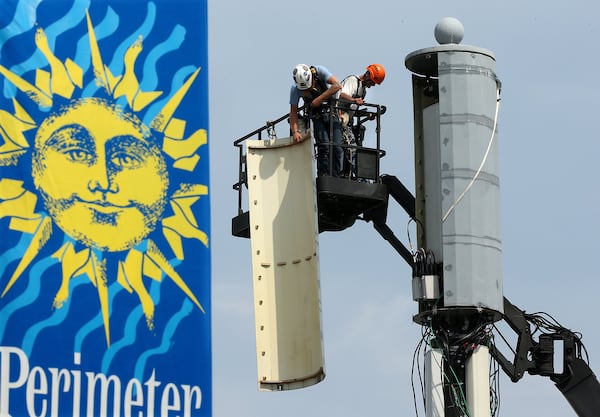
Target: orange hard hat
(376, 73)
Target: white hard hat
(302, 76)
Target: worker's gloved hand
(297, 136)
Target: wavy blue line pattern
(117, 65)
(135, 316)
(97, 321)
(55, 319)
(72, 18)
(14, 253)
(104, 29)
(178, 79)
(170, 328)
(23, 20)
(29, 295)
(129, 338)
(18, 303)
(37, 60)
(173, 42)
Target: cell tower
(457, 270)
(457, 277)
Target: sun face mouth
(102, 206)
(103, 224)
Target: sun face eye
(79, 155)
(128, 152)
(125, 160)
(74, 142)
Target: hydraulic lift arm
(378, 216)
(577, 381)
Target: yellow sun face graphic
(103, 176)
(113, 188)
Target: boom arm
(378, 216)
(577, 381)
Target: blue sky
(548, 149)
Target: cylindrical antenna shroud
(285, 264)
(456, 97)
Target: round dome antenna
(449, 30)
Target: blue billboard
(104, 208)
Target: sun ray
(42, 81)
(175, 129)
(95, 268)
(34, 93)
(130, 277)
(12, 129)
(15, 144)
(187, 163)
(19, 204)
(162, 119)
(23, 116)
(154, 254)
(102, 78)
(15, 200)
(72, 264)
(187, 195)
(152, 271)
(129, 85)
(75, 72)
(38, 240)
(183, 222)
(60, 83)
(184, 150)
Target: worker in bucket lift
(352, 95)
(317, 86)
